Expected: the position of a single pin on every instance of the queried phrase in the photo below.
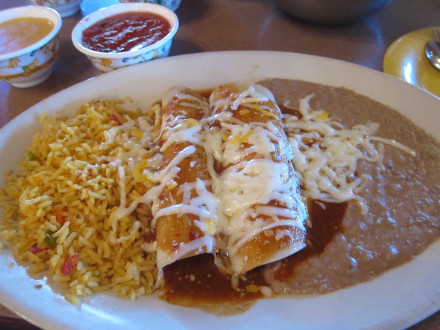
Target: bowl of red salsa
(125, 34)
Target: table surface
(216, 25)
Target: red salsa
(124, 32)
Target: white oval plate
(396, 299)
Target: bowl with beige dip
(27, 59)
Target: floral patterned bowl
(106, 61)
(63, 7)
(31, 65)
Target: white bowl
(63, 7)
(106, 61)
(33, 64)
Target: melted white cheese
(126, 159)
(257, 181)
(326, 154)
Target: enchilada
(187, 213)
(258, 189)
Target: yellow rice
(68, 172)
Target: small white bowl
(64, 7)
(106, 62)
(33, 64)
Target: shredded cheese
(326, 154)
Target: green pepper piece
(50, 240)
(31, 156)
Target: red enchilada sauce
(125, 32)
